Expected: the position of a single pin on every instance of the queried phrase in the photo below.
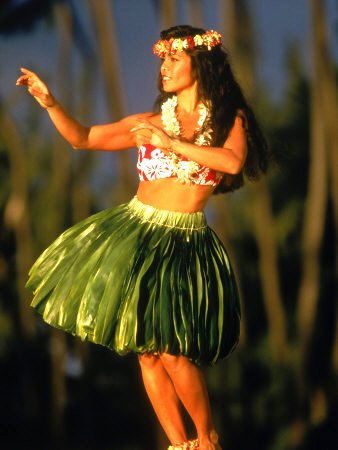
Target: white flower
(186, 171)
(168, 117)
(198, 39)
(157, 153)
(154, 168)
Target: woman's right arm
(114, 136)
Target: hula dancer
(150, 276)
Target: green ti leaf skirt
(138, 279)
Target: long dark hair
(217, 84)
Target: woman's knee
(148, 360)
(174, 363)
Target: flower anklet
(189, 445)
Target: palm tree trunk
(239, 38)
(108, 50)
(17, 216)
(268, 268)
(323, 139)
(84, 161)
(168, 13)
(195, 13)
(326, 75)
(60, 182)
(322, 107)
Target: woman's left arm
(228, 159)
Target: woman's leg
(191, 389)
(163, 397)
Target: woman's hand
(37, 88)
(147, 133)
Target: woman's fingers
(146, 133)
(28, 78)
(142, 136)
(143, 133)
(26, 71)
(23, 80)
(32, 82)
(36, 87)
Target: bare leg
(191, 389)
(163, 397)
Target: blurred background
(278, 390)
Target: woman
(150, 276)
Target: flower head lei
(209, 39)
(186, 171)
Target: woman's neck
(187, 100)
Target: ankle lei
(187, 172)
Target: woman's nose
(165, 65)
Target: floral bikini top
(153, 164)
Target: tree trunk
(17, 217)
(239, 38)
(168, 13)
(268, 269)
(84, 161)
(323, 103)
(322, 107)
(60, 201)
(195, 13)
(326, 75)
(107, 43)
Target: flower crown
(165, 47)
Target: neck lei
(186, 171)
(172, 127)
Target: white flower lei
(187, 172)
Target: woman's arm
(228, 159)
(114, 136)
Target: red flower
(191, 43)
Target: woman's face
(176, 72)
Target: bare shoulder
(237, 137)
(241, 118)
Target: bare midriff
(170, 194)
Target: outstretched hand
(147, 133)
(37, 88)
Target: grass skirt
(138, 279)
